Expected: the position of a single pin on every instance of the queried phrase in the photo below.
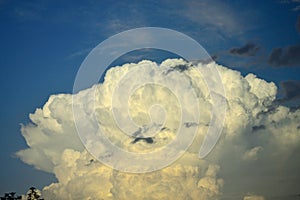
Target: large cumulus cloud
(257, 132)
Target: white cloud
(256, 132)
(252, 154)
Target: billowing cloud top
(256, 132)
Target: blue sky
(44, 42)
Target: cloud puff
(248, 49)
(257, 132)
(80, 177)
(252, 154)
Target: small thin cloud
(29, 11)
(225, 20)
(79, 53)
(297, 8)
(295, 3)
(289, 1)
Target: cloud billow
(257, 132)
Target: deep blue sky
(44, 42)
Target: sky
(43, 44)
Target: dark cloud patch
(285, 57)
(257, 128)
(179, 68)
(249, 49)
(214, 57)
(190, 124)
(148, 140)
(298, 23)
(291, 89)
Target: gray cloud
(257, 128)
(285, 57)
(298, 22)
(249, 49)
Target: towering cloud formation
(259, 137)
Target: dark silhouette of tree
(10, 196)
(33, 194)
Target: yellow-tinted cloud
(255, 131)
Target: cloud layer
(259, 138)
